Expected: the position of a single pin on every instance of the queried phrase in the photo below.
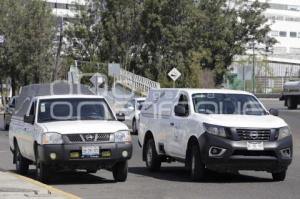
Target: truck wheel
(197, 168)
(134, 127)
(120, 171)
(153, 161)
(279, 176)
(22, 164)
(42, 170)
(6, 126)
(291, 103)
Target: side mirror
(29, 119)
(274, 112)
(120, 117)
(140, 107)
(130, 108)
(180, 110)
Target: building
(285, 19)
(273, 69)
(64, 8)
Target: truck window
(183, 100)
(51, 110)
(232, 104)
(32, 109)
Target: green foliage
(25, 56)
(150, 37)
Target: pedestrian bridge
(138, 84)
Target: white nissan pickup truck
(58, 129)
(215, 129)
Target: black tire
(292, 103)
(6, 126)
(22, 164)
(279, 176)
(42, 170)
(120, 171)
(197, 168)
(153, 161)
(134, 127)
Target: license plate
(90, 152)
(255, 146)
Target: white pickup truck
(58, 130)
(216, 129)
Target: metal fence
(135, 82)
(270, 75)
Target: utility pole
(253, 67)
(59, 48)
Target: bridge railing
(135, 82)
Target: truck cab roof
(195, 90)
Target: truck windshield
(51, 110)
(219, 103)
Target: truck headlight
(52, 138)
(283, 132)
(215, 130)
(122, 136)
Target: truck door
(180, 127)
(129, 111)
(29, 132)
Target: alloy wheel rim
(18, 160)
(149, 155)
(193, 164)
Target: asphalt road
(173, 181)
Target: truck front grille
(85, 138)
(252, 134)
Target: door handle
(172, 124)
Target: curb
(47, 187)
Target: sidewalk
(13, 186)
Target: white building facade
(64, 8)
(284, 16)
(273, 69)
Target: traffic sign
(114, 70)
(97, 79)
(2, 39)
(174, 74)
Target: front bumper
(65, 161)
(236, 155)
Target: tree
(230, 26)
(153, 36)
(167, 29)
(26, 55)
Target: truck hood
(74, 127)
(245, 121)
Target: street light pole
(253, 67)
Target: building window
(274, 33)
(293, 8)
(293, 34)
(61, 6)
(282, 34)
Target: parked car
(58, 132)
(222, 130)
(132, 111)
(10, 107)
